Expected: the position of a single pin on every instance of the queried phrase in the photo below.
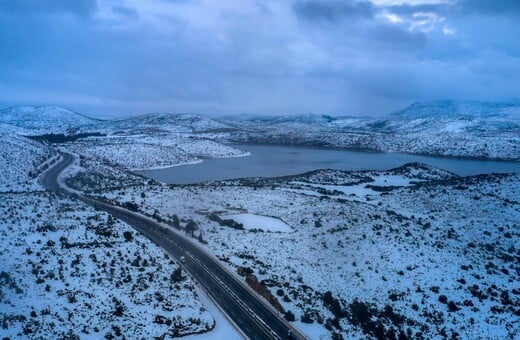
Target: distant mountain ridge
(444, 128)
(33, 120)
(451, 108)
(171, 122)
(55, 117)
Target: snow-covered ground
(151, 152)
(70, 271)
(259, 222)
(423, 250)
(363, 189)
(444, 128)
(21, 161)
(415, 251)
(460, 129)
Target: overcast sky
(123, 57)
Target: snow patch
(266, 223)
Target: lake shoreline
(275, 160)
(336, 148)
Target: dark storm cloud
(316, 10)
(82, 8)
(263, 56)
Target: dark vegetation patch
(57, 138)
(382, 324)
(226, 222)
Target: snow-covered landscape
(416, 251)
(369, 253)
(71, 271)
(443, 128)
(260, 169)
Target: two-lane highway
(246, 309)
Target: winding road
(248, 311)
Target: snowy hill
(34, 120)
(170, 122)
(45, 119)
(456, 117)
(450, 108)
(413, 251)
(71, 272)
(445, 128)
(21, 160)
(142, 142)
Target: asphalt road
(246, 309)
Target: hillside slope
(21, 159)
(412, 252)
(45, 119)
(69, 271)
(169, 122)
(461, 129)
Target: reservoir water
(277, 160)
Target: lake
(277, 160)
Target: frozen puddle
(266, 223)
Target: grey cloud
(315, 10)
(341, 57)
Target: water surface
(276, 160)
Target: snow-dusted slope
(456, 117)
(413, 252)
(151, 152)
(20, 161)
(54, 119)
(450, 108)
(69, 271)
(170, 122)
(446, 128)
(45, 119)
(142, 142)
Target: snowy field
(151, 152)
(392, 260)
(414, 252)
(259, 222)
(69, 271)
